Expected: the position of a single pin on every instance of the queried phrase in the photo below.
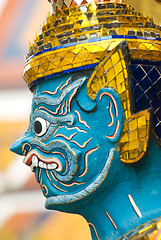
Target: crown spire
(61, 4)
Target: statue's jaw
(69, 198)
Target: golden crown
(79, 36)
(62, 4)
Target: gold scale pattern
(61, 4)
(78, 25)
(50, 55)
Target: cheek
(92, 162)
(89, 121)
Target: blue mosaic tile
(138, 91)
(145, 83)
(139, 73)
(157, 85)
(157, 131)
(154, 75)
(142, 102)
(148, 69)
(158, 113)
(159, 69)
(159, 95)
(155, 120)
(134, 82)
(155, 103)
(133, 67)
(146, 89)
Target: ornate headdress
(77, 36)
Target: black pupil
(37, 127)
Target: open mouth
(34, 159)
(69, 198)
(59, 158)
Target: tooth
(35, 161)
(53, 165)
(45, 166)
(41, 164)
(32, 167)
(49, 166)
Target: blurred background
(22, 212)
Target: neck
(131, 199)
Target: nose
(18, 146)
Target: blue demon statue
(95, 125)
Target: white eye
(40, 126)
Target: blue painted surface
(78, 175)
(76, 130)
(141, 180)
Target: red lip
(29, 160)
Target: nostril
(24, 152)
(26, 148)
(21, 146)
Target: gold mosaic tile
(99, 48)
(149, 231)
(111, 73)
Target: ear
(110, 110)
(85, 103)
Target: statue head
(88, 123)
(76, 131)
(71, 140)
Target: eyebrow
(69, 119)
(58, 100)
